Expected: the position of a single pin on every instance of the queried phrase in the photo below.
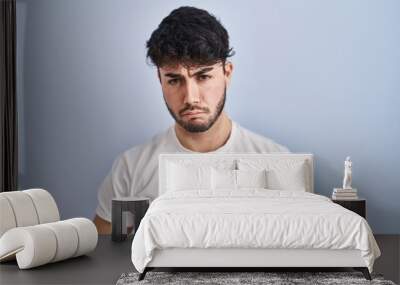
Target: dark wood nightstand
(135, 207)
(358, 206)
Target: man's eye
(172, 81)
(204, 77)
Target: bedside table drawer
(357, 206)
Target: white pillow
(293, 178)
(237, 179)
(183, 177)
(252, 178)
(282, 174)
(223, 179)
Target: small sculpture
(347, 174)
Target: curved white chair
(40, 244)
(31, 230)
(26, 208)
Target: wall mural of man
(190, 49)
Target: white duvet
(250, 218)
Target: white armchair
(31, 230)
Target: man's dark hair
(189, 36)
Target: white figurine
(347, 174)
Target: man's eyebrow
(201, 71)
(204, 70)
(173, 75)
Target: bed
(247, 210)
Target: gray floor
(389, 262)
(110, 260)
(102, 266)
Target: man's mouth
(192, 113)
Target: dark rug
(228, 278)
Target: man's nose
(192, 93)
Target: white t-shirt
(135, 172)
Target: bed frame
(248, 259)
(236, 259)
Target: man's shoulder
(147, 149)
(259, 142)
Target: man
(190, 49)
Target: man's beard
(198, 128)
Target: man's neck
(210, 140)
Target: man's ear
(228, 72)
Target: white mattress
(250, 218)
